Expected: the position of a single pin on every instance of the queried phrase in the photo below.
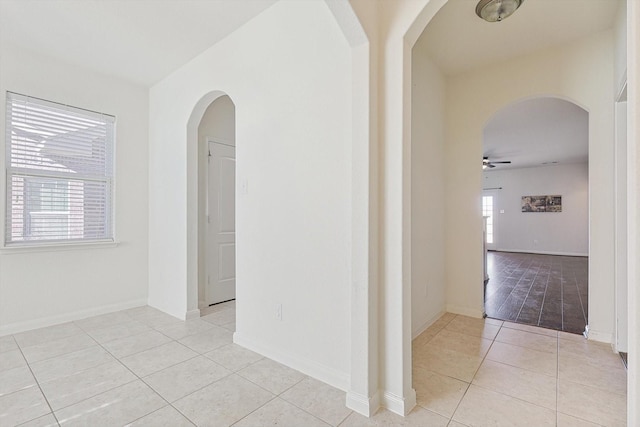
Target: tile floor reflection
(142, 367)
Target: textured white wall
(288, 72)
(558, 233)
(620, 34)
(39, 288)
(427, 191)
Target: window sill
(56, 247)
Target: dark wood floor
(541, 290)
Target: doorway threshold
(221, 302)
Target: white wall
(39, 288)
(288, 72)
(427, 191)
(621, 195)
(633, 55)
(556, 233)
(218, 123)
(582, 72)
(620, 53)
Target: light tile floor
(142, 367)
(479, 372)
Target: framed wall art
(541, 204)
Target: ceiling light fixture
(497, 10)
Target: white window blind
(59, 165)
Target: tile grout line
(279, 395)
(144, 382)
(476, 372)
(546, 287)
(557, 376)
(562, 296)
(544, 298)
(510, 262)
(514, 287)
(527, 296)
(83, 370)
(584, 315)
(137, 377)
(44, 396)
(302, 409)
(522, 276)
(117, 359)
(547, 265)
(150, 387)
(504, 394)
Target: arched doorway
(216, 204)
(212, 118)
(535, 191)
(471, 99)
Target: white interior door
(221, 253)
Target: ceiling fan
(487, 164)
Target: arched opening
(454, 151)
(535, 193)
(212, 124)
(216, 206)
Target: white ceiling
(138, 40)
(457, 40)
(534, 132)
(145, 40)
(537, 132)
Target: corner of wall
(362, 404)
(399, 405)
(465, 311)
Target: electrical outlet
(279, 312)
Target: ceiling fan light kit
(497, 10)
(487, 164)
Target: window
(487, 210)
(59, 173)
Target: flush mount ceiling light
(497, 10)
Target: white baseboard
(399, 405)
(465, 311)
(605, 337)
(426, 325)
(533, 251)
(362, 404)
(192, 314)
(14, 328)
(339, 380)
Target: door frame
(621, 326)
(207, 247)
(490, 193)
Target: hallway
(540, 290)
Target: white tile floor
(492, 373)
(142, 367)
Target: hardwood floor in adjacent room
(541, 290)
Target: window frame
(107, 179)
